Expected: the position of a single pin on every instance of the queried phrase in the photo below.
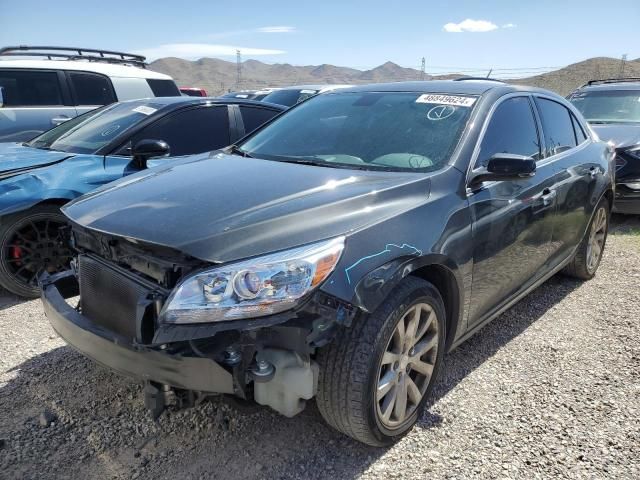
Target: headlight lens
(252, 288)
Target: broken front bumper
(117, 353)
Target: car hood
(15, 156)
(219, 207)
(618, 134)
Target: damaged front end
(125, 320)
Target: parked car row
(335, 252)
(612, 108)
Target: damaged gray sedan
(337, 252)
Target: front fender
(23, 192)
(376, 285)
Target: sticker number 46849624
(456, 100)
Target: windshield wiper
(311, 160)
(238, 151)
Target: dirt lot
(550, 389)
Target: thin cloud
(509, 25)
(277, 29)
(237, 33)
(470, 25)
(193, 51)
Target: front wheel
(375, 377)
(587, 259)
(30, 243)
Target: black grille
(110, 298)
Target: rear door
(576, 174)
(34, 101)
(512, 220)
(90, 90)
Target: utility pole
(239, 69)
(423, 69)
(623, 60)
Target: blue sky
(452, 36)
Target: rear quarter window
(580, 135)
(163, 88)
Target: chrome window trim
(539, 127)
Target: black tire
(24, 255)
(350, 367)
(582, 266)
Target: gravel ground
(551, 389)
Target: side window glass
(253, 117)
(557, 125)
(580, 135)
(512, 129)
(30, 88)
(191, 131)
(163, 88)
(92, 89)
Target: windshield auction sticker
(144, 110)
(455, 100)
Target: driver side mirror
(1, 97)
(146, 149)
(505, 166)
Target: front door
(512, 220)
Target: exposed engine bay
(123, 286)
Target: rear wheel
(30, 243)
(587, 259)
(375, 377)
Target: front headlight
(252, 288)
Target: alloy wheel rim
(34, 246)
(407, 365)
(596, 239)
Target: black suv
(337, 252)
(612, 108)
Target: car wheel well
(609, 196)
(53, 201)
(444, 280)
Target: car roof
(610, 86)
(462, 86)
(323, 86)
(185, 101)
(108, 69)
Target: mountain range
(219, 76)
